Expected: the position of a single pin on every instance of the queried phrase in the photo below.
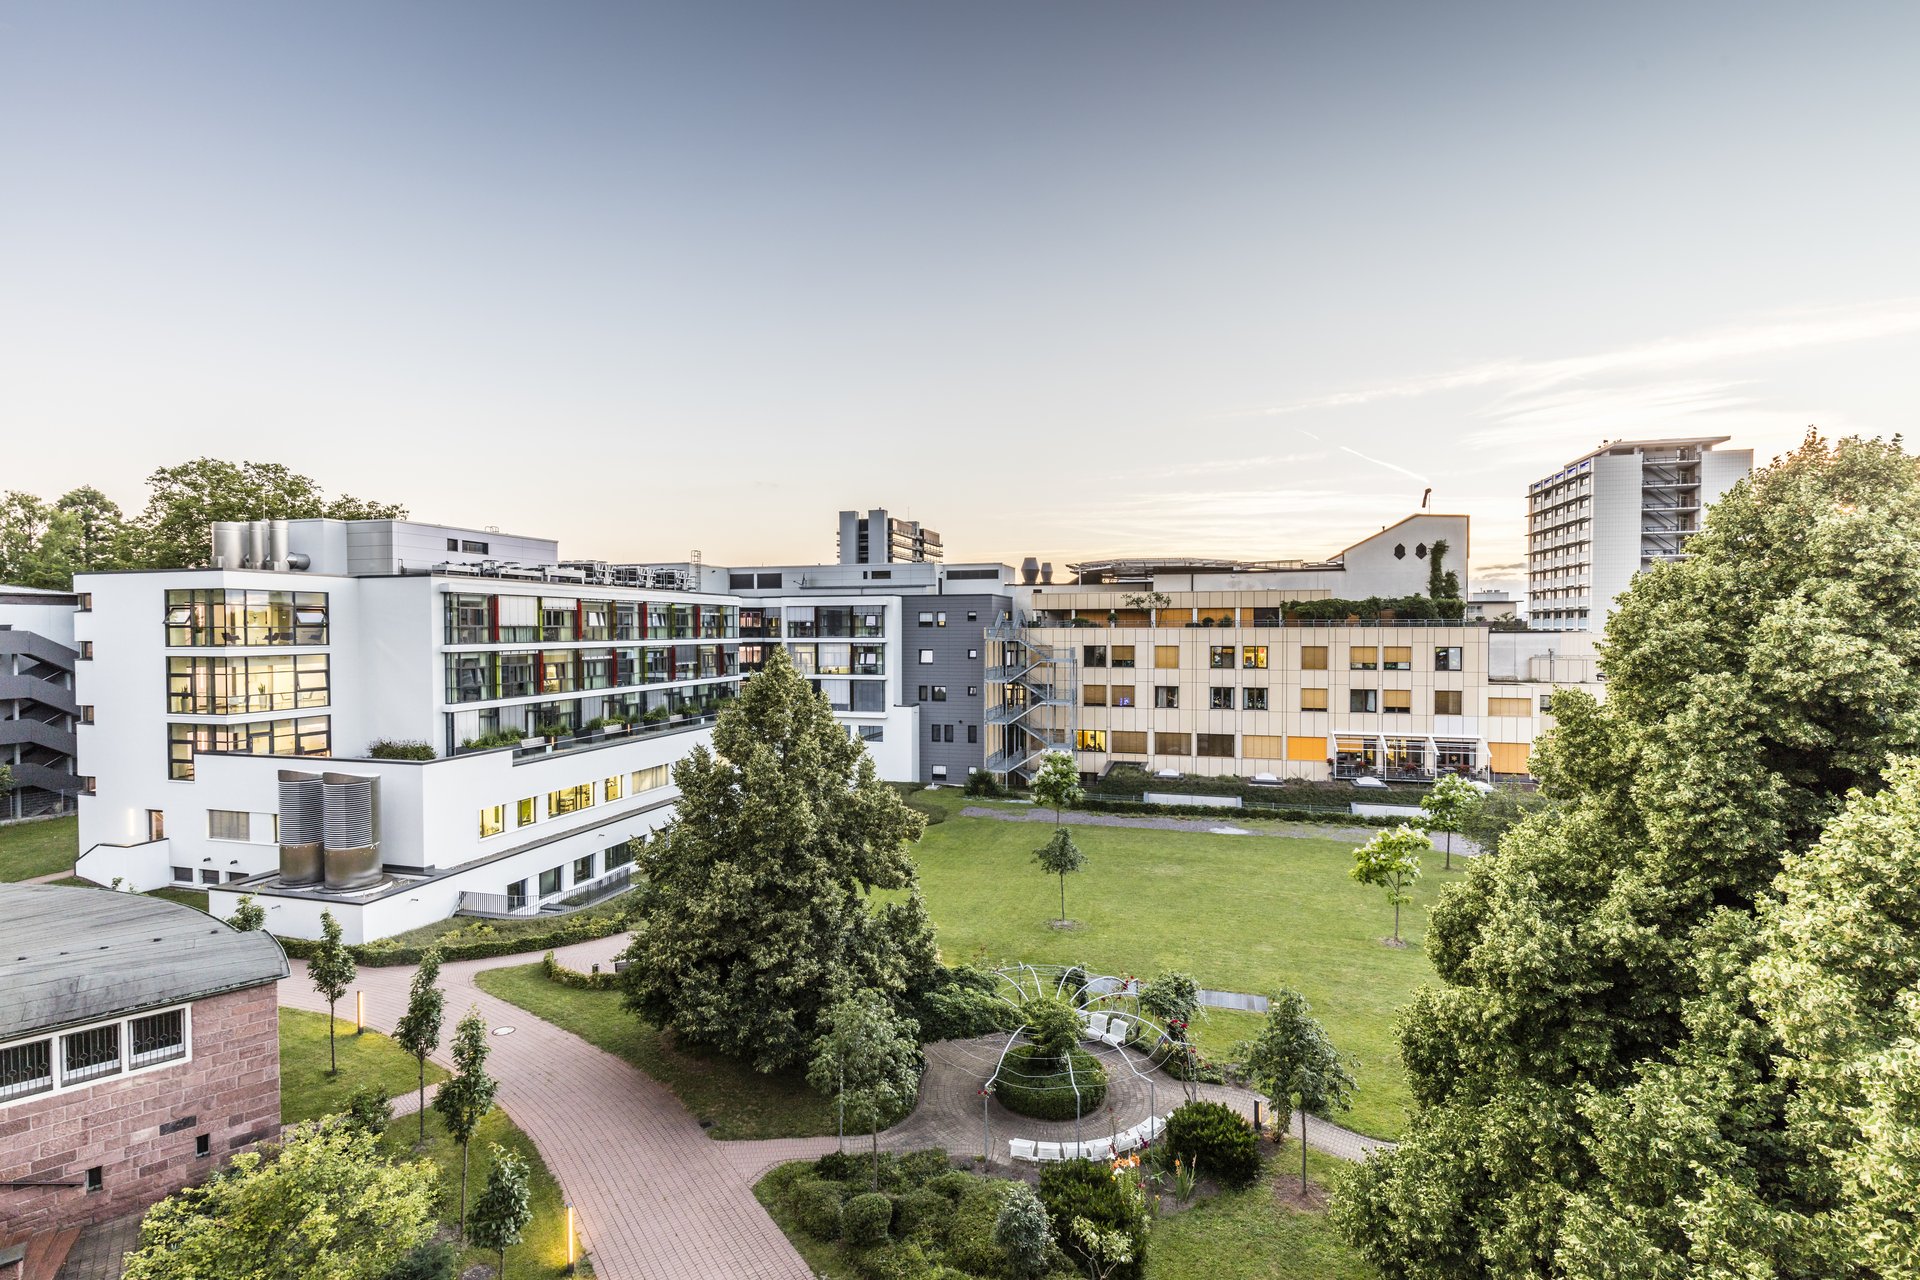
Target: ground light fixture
(570, 1262)
(359, 1012)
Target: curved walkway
(1256, 825)
(654, 1195)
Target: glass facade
(213, 618)
(243, 685)
(305, 736)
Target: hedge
(376, 954)
(559, 973)
(1324, 817)
(1029, 1089)
(1215, 1140)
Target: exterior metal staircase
(1033, 703)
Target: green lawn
(739, 1101)
(1249, 1235)
(466, 928)
(195, 898)
(1240, 913)
(39, 848)
(306, 1090)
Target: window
(306, 737)
(1130, 742)
(1093, 695)
(926, 618)
(228, 824)
(570, 799)
(939, 773)
(877, 733)
(204, 618)
(973, 691)
(973, 733)
(1166, 657)
(89, 1054)
(86, 713)
(1166, 696)
(83, 602)
(618, 855)
(86, 649)
(529, 811)
(1396, 702)
(939, 619)
(923, 694)
(926, 657)
(1313, 657)
(1221, 657)
(583, 869)
(183, 875)
(1092, 740)
(651, 779)
(613, 787)
(1254, 657)
(933, 733)
(158, 1037)
(228, 686)
(1254, 699)
(1546, 702)
(1214, 745)
(1447, 658)
(453, 544)
(1220, 697)
(1173, 744)
(1446, 702)
(972, 616)
(1397, 658)
(550, 882)
(493, 820)
(1363, 700)
(26, 1069)
(1509, 707)
(973, 653)
(1120, 695)
(1363, 659)
(939, 693)
(1122, 655)
(202, 1145)
(96, 1178)
(1093, 655)
(516, 895)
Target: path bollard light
(359, 1012)
(570, 1241)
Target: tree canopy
(1608, 1080)
(755, 912)
(322, 1205)
(868, 1059)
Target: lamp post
(986, 1126)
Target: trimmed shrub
(982, 783)
(916, 1167)
(1033, 1087)
(816, 1207)
(865, 1218)
(903, 1261)
(1023, 1232)
(920, 1210)
(1218, 1138)
(398, 749)
(958, 1004)
(952, 1185)
(369, 1110)
(970, 1243)
(438, 1260)
(561, 974)
(1086, 1189)
(580, 928)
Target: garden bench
(1023, 1149)
(1095, 1028)
(1116, 1032)
(1048, 1151)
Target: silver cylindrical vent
(1029, 571)
(302, 827)
(352, 830)
(256, 544)
(1046, 573)
(277, 544)
(229, 543)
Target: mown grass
(739, 1101)
(307, 1091)
(29, 850)
(1240, 913)
(1250, 1235)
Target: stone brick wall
(141, 1129)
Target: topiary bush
(920, 1211)
(970, 1242)
(1053, 1026)
(1087, 1189)
(816, 1207)
(1217, 1140)
(865, 1218)
(1033, 1084)
(952, 1185)
(904, 1261)
(916, 1167)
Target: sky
(1057, 279)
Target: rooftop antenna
(694, 560)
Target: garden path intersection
(653, 1194)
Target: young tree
(332, 970)
(324, 1204)
(465, 1098)
(754, 912)
(505, 1206)
(419, 1029)
(1449, 806)
(1391, 861)
(1596, 1089)
(1293, 1059)
(1171, 997)
(1056, 783)
(249, 916)
(1024, 1232)
(869, 1058)
(1060, 856)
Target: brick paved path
(655, 1196)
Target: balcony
(608, 737)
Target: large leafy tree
(755, 914)
(40, 545)
(323, 1205)
(1596, 1091)
(1294, 1063)
(184, 501)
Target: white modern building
(1610, 513)
(238, 721)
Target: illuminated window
(1093, 740)
(529, 811)
(613, 788)
(1254, 657)
(1220, 657)
(570, 799)
(493, 820)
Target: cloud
(1785, 331)
(1606, 412)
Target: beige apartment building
(1208, 668)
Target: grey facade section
(37, 718)
(953, 733)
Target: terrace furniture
(1152, 1127)
(1048, 1151)
(1126, 1140)
(1116, 1032)
(1096, 1026)
(1023, 1149)
(1098, 1149)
